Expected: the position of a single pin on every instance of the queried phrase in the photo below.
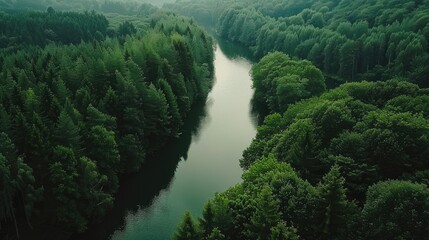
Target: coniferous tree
(76, 105)
(266, 215)
(104, 150)
(206, 222)
(216, 235)
(334, 199)
(67, 133)
(281, 232)
(188, 229)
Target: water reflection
(150, 204)
(138, 190)
(233, 50)
(258, 110)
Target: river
(190, 170)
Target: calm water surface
(204, 160)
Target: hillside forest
(90, 90)
(343, 153)
(85, 99)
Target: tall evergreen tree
(281, 232)
(187, 230)
(334, 199)
(207, 220)
(216, 235)
(67, 133)
(266, 215)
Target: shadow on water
(234, 50)
(138, 190)
(258, 111)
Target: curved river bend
(204, 160)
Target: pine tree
(266, 216)
(67, 133)
(207, 221)
(281, 232)
(176, 120)
(102, 148)
(333, 193)
(216, 235)
(187, 230)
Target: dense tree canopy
(321, 169)
(279, 81)
(273, 202)
(348, 163)
(321, 165)
(349, 40)
(38, 28)
(80, 109)
(396, 210)
(123, 7)
(362, 127)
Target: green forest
(90, 90)
(344, 152)
(124, 7)
(85, 99)
(347, 40)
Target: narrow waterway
(203, 161)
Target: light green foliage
(280, 81)
(216, 235)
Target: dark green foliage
(280, 81)
(366, 132)
(271, 199)
(123, 7)
(324, 160)
(101, 147)
(126, 28)
(333, 196)
(74, 117)
(396, 210)
(353, 127)
(68, 133)
(266, 215)
(63, 177)
(281, 232)
(18, 188)
(43, 28)
(216, 235)
(342, 142)
(207, 221)
(187, 230)
(369, 40)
